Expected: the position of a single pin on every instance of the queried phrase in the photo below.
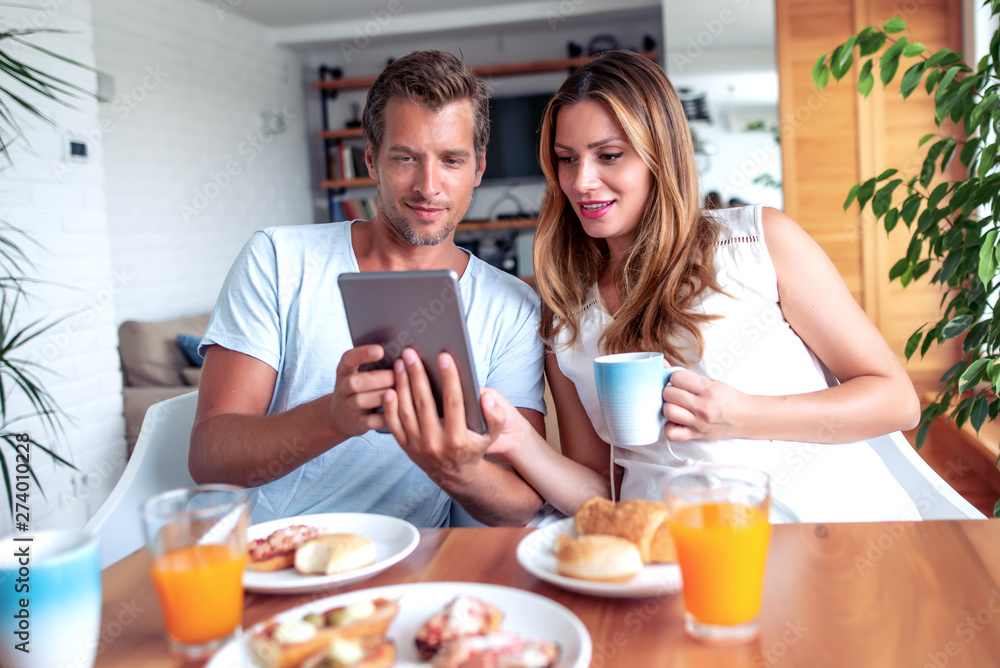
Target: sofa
(155, 367)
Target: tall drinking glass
(50, 599)
(719, 522)
(197, 538)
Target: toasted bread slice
(287, 645)
(352, 654)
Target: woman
(627, 260)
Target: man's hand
(445, 448)
(697, 407)
(358, 393)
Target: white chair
(934, 497)
(159, 462)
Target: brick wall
(180, 171)
(192, 168)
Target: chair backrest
(934, 497)
(158, 463)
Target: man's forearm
(251, 450)
(495, 494)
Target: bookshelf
(331, 82)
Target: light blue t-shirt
(281, 304)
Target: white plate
(394, 539)
(538, 558)
(529, 615)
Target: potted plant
(21, 378)
(953, 224)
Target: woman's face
(602, 176)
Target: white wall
(179, 174)
(61, 204)
(192, 169)
(740, 86)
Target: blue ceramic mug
(50, 599)
(630, 389)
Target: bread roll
(635, 520)
(662, 549)
(597, 557)
(334, 553)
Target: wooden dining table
(916, 594)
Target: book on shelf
(355, 208)
(347, 162)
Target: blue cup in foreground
(50, 599)
(630, 389)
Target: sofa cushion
(192, 375)
(189, 344)
(149, 351)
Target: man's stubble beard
(400, 224)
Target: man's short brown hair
(432, 79)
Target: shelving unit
(331, 82)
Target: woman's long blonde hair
(669, 263)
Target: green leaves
(956, 327)
(987, 160)
(821, 73)
(911, 80)
(842, 58)
(894, 25)
(890, 60)
(972, 375)
(865, 80)
(987, 259)
(950, 207)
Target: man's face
(426, 169)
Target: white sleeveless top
(754, 350)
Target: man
(282, 404)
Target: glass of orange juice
(197, 538)
(719, 522)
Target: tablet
(417, 309)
